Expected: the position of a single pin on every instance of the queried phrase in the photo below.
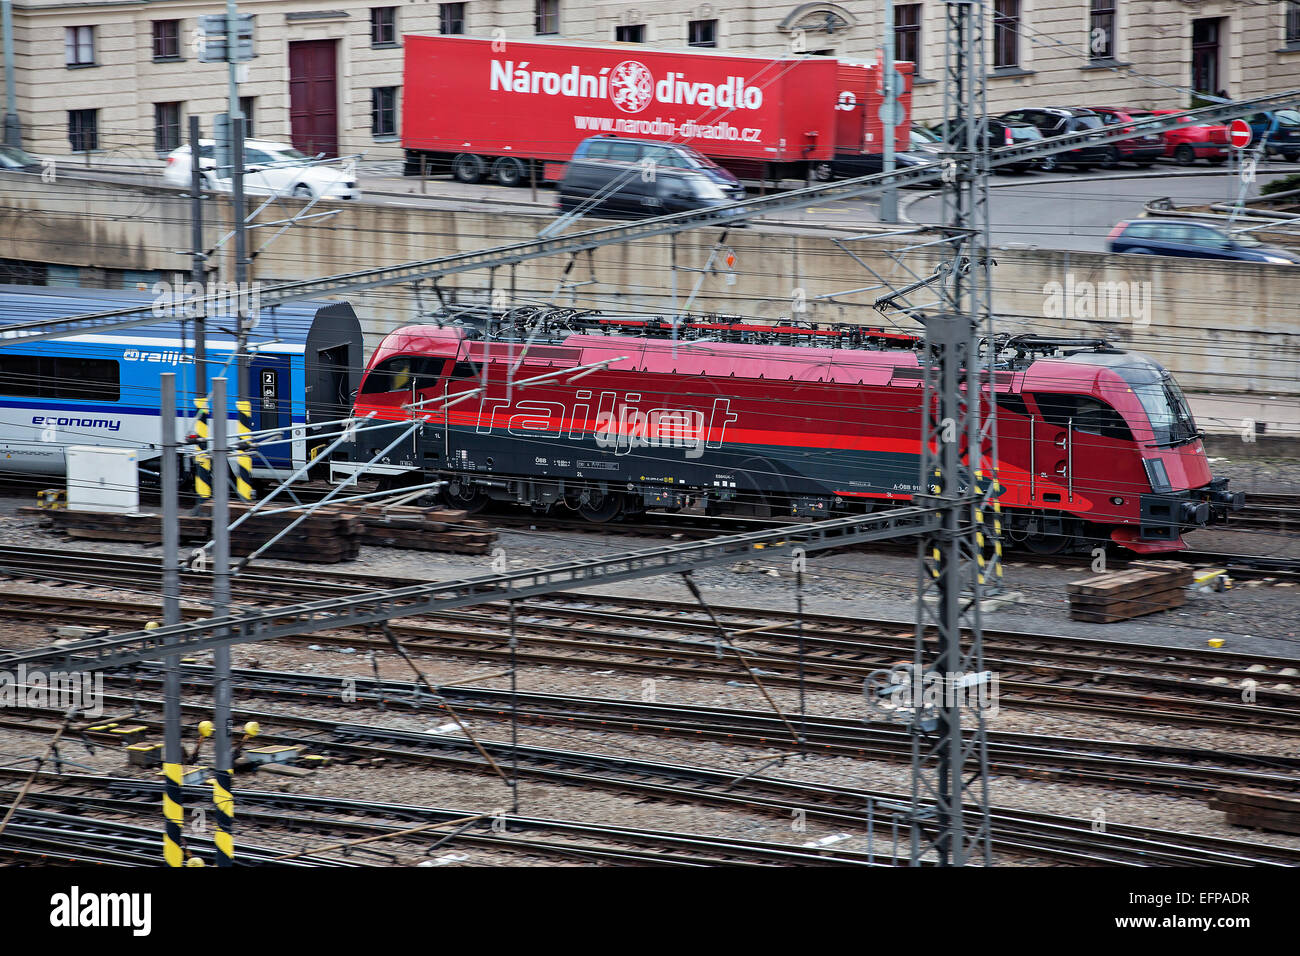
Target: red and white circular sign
(1239, 133)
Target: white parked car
(269, 168)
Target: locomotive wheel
(466, 498)
(600, 507)
(1046, 543)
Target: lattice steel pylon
(959, 563)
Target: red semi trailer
(479, 108)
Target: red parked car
(1142, 149)
(1186, 144)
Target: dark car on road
(850, 165)
(631, 178)
(1192, 240)
(1142, 149)
(1057, 121)
(1002, 132)
(1283, 129)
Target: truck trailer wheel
(467, 167)
(508, 171)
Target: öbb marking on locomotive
(1096, 443)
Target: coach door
(1052, 448)
(272, 399)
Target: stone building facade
(118, 78)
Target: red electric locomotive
(616, 415)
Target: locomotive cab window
(402, 373)
(59, 376)
(464, 370)
(1089, 415)
(1010, 402)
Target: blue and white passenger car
(102, 388)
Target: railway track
(1183, 771)
(669, 638)
(532, 836)
(1268, 512)
(1016, 832)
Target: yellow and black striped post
(173, 851)
(223, 803)
(202, 461)
(243, 460)
(990, 565)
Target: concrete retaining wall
(1224, 328)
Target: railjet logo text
(75, 909)
(614, 422)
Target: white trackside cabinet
(103, 479)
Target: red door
(313, 96)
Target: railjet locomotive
(613, 415)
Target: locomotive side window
(1009, 402)
(59, 376)
(401, 373)
(1090, 416)
(464, 370)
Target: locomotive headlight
(1117, 500)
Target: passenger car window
(598, 151)
(59, 376)
(1173, 232)
(624, 152)
(1205, 236)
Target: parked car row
(1185, 144)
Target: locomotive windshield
(1171, 419)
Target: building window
(907, 34)
(1006, 34)
(702, 33)
(1101, 30)
(383, 26)
(632, 34)
(546, 17)
(246, 106)
(167, 39)
(79, 45)
(451, 18)
(383, 111)
(83, 130)
(1293, 23)
(166, 126)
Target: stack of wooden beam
(423, 529)
(323, 537)
(1142, 588)
(110, 526)
(1259, 809)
